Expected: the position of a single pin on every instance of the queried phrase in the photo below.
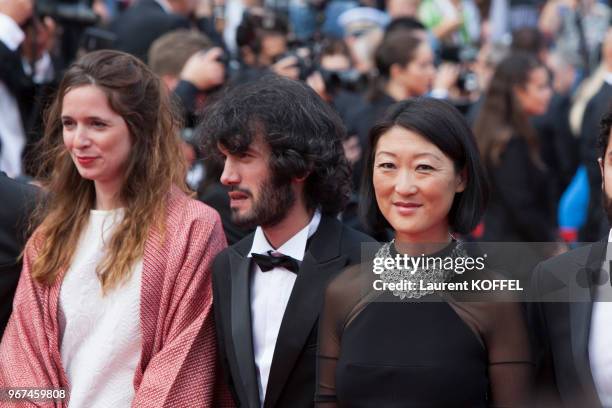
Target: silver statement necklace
(415, 279)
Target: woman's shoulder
(188, 209)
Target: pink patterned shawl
(178, 365)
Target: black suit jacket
(521, 207)
(561, 324)
(31, 100)
(596, 225)
(138, 26)
(17, 202)
(292, 376)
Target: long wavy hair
(155, 164)
(501, 116)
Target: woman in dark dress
(413, 347)
(522, 207)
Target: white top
(600, 338)
(101, 337)
(270, 293)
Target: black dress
(378, 351)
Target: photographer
(25, 65)
(262, 41)
(191, 67)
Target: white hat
(362, 19)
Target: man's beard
(271, 207)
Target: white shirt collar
(164, 4)
(294, 247)
(608, 78)
(10, 33)
(610, 236)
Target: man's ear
(302, 178)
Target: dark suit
(17, 202)
(30, 97)
(596, 224)
(522, 206)
(140, 25)
(561, 326)
(292, 375)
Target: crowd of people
(196, 192)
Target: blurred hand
(448, 26)
(287, 67)
(19, 10)
(315, 81)
(564, 75)
(447, 76)
(100, 8)
(40, 38)
(352, 149)
(204, 70)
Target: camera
(351, 80)
(67, 12)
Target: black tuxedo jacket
(17, 202)
(596, 226)
(138, 26)
(561, 324)
(292, 375)
(31, 99)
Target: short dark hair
(406, 24)
(258, 23)
(304, 134)
(397, 48)
(604, 134)
(444, 126)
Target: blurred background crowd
(532, 77)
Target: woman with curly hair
(114, 300)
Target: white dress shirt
(12, 134)
(270, 292)
(600, 338)
(101, 339)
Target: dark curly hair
(304, 134)
(604, 134)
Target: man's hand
(19, 10)
(316, 82)
(40, 38)
(447, 76)
(287, 67)
(204, 70)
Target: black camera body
(67, 12)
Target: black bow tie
(276, 260)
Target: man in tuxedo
(595, 227)
(26, 71)
(17, 202)
(288, 177)
(572, 318)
